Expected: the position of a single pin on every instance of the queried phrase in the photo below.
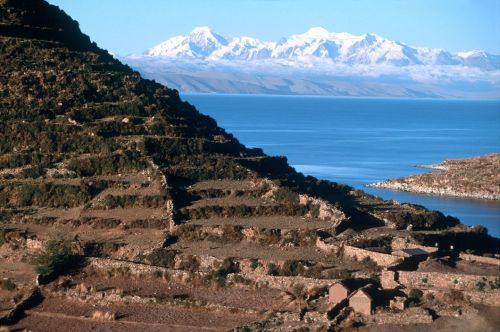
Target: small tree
(56, 258)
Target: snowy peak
(204, 37)
(200, 43)
(317, 32)
(316, 45)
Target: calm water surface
(358, 141)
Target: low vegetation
(162, 257)
(57, 257)
(7, 284)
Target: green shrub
(254, 263)
(3, 236)
(369, 263)
(56, 258)
(228, 266)
(238, 279)
(162, 257)
(415, 295)
(339, 274)
(481, 284)
(189, 263)
(292, 268)
(7, 284)
(273, 269)
(34, 172)
(495, 284)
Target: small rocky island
(477, 177)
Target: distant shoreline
(476, 178)
(240, 94)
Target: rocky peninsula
(477, 177)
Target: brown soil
(56, 314)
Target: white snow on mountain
(200, 43)
(316, 43)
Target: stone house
(338, 292)
(363, 300)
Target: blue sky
(132, 26)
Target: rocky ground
(477, 177)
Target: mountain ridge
(317, 42)
(318, 62)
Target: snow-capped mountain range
(317, 62)
(317, 43)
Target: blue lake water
(358, 141)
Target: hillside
(139, 213)
(477, 177)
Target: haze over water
(358, 141)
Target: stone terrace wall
(327, 247)
(441, 280)
(359, 254)
(135, 269)
(16, 313)
(410, 316)
(379, 258)
(492, 298)
(400, 243)
(286, 283)
(480, 259)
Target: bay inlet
(358, 141)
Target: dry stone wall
(286, 283)
(326, 210)
(399, 243)
(381, 259)
(442, 280)
(480, 259)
